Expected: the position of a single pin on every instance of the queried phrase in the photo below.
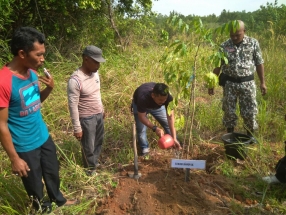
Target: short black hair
(161, 89)
(24, 39)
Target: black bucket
(235, 145)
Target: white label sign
(190, 164)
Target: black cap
(94, 52)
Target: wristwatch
(154, 128)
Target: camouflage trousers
(245, 94)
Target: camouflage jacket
(242, 60)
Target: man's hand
(177, 145)
(211, 91)
(48, 81)
(78, 135)
(263, 89)
(159, 132)
(20, 167)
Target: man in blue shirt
(23, 133)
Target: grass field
(120, 76)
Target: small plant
(185, 60)
(211, 80)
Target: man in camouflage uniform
(244, 57)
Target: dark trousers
(92, 139)
(43, 164)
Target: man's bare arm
(19, 166)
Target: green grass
(120, 76)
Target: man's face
(237, 37)
(35, 58)
(158, 99)
(92, 65)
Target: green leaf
(225, 60)
(183, 50)
(233, 24)
(187, 27)
(173, 20)
(217, 62)
(180, 23)
(178, 48)
(223, 29)
(229, 27)
(175, 43)
(180, 122)
(171, 106)
(201, 23)
(176, 21)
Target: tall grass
(120, 76)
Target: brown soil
(164, 190)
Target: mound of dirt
(164, 190)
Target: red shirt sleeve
(5, 86)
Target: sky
(208, 7)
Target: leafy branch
(183, 60)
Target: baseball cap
(94, 52)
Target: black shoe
(230, 130)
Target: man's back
(143, 99)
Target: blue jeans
(159, 114)
(92, 139)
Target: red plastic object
(166, 141)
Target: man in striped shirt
(85, 106)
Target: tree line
(114, 24)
